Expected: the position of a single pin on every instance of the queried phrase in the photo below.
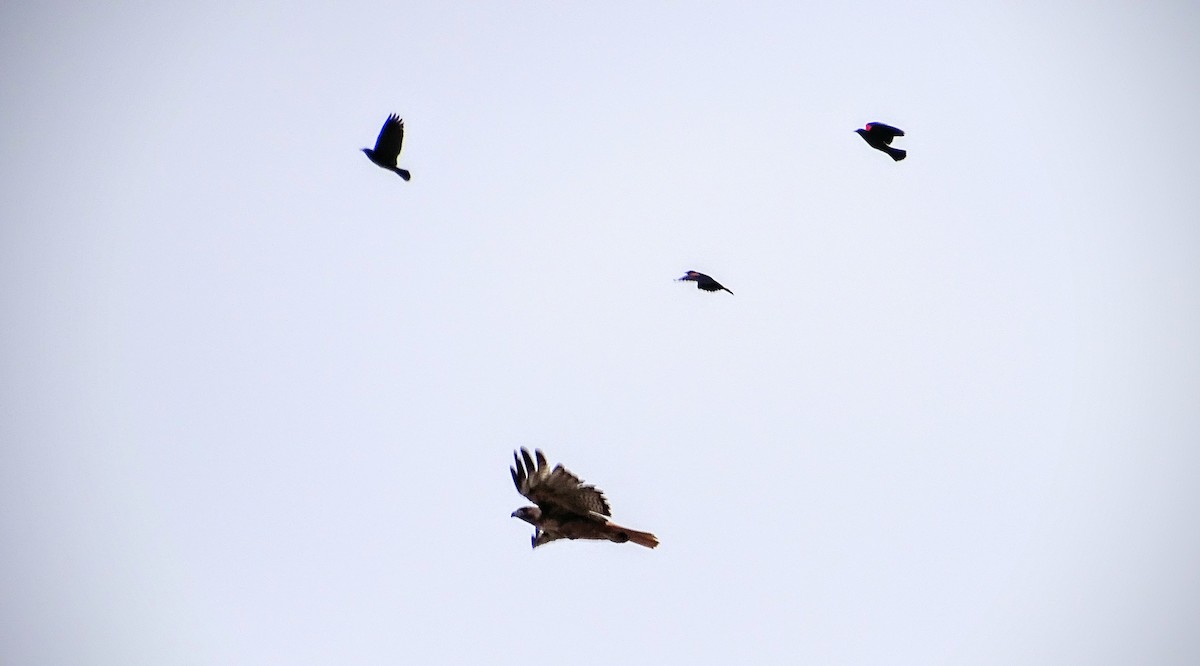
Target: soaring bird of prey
(702, 281)
(387, 146)
(879, 137)
(566, 507)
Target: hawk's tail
(640, 538)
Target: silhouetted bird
(387, 146)
(702, 281)
(879, 137)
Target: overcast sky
(258, 396)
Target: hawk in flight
(566, 507)
(702, 281)
(387, 146)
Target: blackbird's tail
(896, 153)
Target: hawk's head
(529, 514)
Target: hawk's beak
(513, 514)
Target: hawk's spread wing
(556, 490)
(391, 137)
(541, 538)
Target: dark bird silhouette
(702, 281)
(879, 137)
(387, 146)
(566, 508)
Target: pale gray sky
(259, 396)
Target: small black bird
(702, 281)
(387, 146)
(879, 137)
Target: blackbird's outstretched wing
(556, 490)
(703, 281)
(884, 132)
(391, 138)
(708, 284)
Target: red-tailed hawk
(566, 508)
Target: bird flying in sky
(702, 281)
(879, 137)
(566, 507)
(387, 146)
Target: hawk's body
(566, 507)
